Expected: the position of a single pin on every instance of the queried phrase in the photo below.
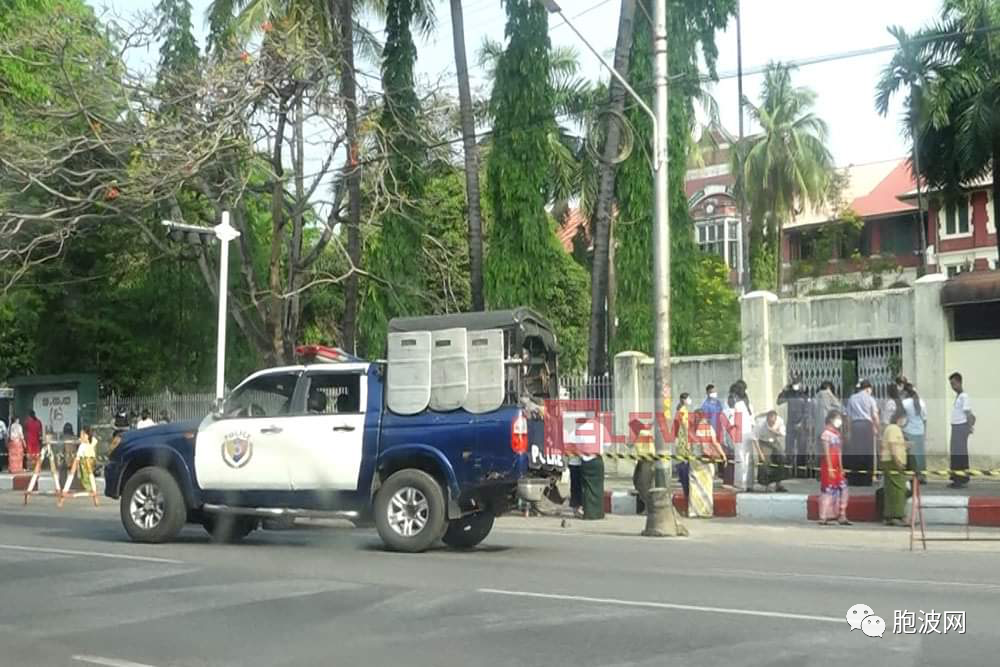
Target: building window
(711, 237)
(952, 271)
(956, 217)
(734, 239)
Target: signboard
(57, 408)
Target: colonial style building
(821, 251)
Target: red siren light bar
(324, 354)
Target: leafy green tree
(525, 263)
(398, 255)
(959, 136)
(785, 167)
(691, 33)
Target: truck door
(247, 449)
(326, 439)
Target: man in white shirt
(962, 423)
(145, 422)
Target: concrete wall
(634, 386)
(979, 363)
(913, 315)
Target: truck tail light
(519, 435)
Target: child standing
(86, 456)
(832, 481)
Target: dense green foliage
(952, 71)
(525, 264)
(701, 320)
(397, 255)
(119, 300)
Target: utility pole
(661, 521)
(660, 518)
(744, 236)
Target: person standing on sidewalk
(824, 401)
(682, 444)
(767, 440)
(796, 451)
(894, 471)
(832, 481)
(712, 410)
(859, 455)
(15, 447)
(33, 438)
(962, 424)
(741, 423)
(915, 429)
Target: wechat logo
(862, 617)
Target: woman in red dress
(33, 438)
(832, 481)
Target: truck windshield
(264, 396)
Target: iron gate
(846, 363)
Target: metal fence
(177, 406)
(600, 388)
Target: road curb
(942, 510)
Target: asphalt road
(74, 592)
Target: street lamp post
(203, 236)
(660, 516)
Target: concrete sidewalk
(976, 505)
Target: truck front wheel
(468, 531)
(152, 506)
(410, 511)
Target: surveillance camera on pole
(206, 236)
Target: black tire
(229, 528)
(424, 498)
(468, 531)
(152, 506)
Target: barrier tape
(652, 458)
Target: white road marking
(836, 577)
(108, 662)
(665, 605)
(95, 554)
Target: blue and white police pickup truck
(430, 445)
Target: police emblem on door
(237, 449)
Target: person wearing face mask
(741, 427)
(797, 421)
(833, 494)
(711, 411)
(893, 460)
(682, 444)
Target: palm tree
(472, 192)
(913, 67)
(785, 167)
(601, 310)
(962, 118)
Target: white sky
(772, 30)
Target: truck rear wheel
(152, 506)
(468, 531)
(410, 511)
